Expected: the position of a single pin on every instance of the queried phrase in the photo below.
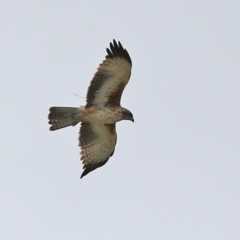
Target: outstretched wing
(111, 77)
(97, 142)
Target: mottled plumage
(97, 136)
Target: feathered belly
(101, 115)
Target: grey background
(175, 171)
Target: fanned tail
(61, 117)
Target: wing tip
(86, 171)
(90, 168)
(116, 50)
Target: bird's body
(98, 136)
(94, 114)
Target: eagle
(97, 135)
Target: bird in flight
(97, 135)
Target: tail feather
(60, 117)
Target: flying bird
(97, 135)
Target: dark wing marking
(97, 142)
(111, 77)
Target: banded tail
(61, 117)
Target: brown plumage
(97, 136)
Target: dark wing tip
(117, 50)
(85, 172)
(90, 168)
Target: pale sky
(175, 173)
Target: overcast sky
(175, 173)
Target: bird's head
(127, 115)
